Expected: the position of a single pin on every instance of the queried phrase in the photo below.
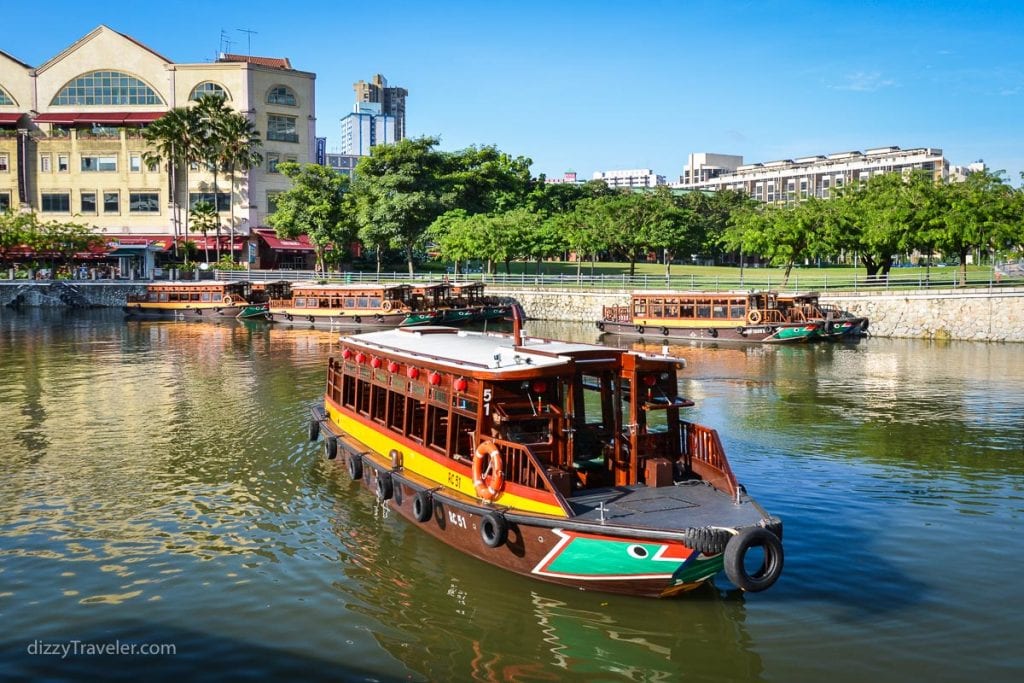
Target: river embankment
(981, 314)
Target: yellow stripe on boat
(425, 466)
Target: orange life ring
(387, 305)
(227, 301)
(490, 481)
(754, 317)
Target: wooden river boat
(834, 322)
(565, 462)
(203, 300)
(721, 316)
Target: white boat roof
(466, 350)
(348, 287)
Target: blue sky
(611, 85)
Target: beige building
(390, 99)
(71, 144)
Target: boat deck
(687, 504)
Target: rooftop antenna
(248, 36)
(225, 42)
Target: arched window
(106, 87)
(209, 88)
(282, 94)
(5, 98)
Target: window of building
(282, 94)
(272, 201)
(111, 202)
(135, 163)
(62, 163)
(55, 202)
(44, 163)
(106, 87)
(281, 128)
(5, 201)
(223, 199)
(4, 163)
(208, 88)
(5, 98)
(97, 163)
(143, 202)
(87, 201)
(273, 159)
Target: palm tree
(240, 143)
(213, 111)
(204, 219)
(174, 137)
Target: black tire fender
(422, 506)
(493, 529)
(600, 325)
(712, 332)
(288, 316)
(664, 331)
(639, 329)
(358, 319)
(385, 486)
(355, 466)
(314, 430)
(736, 552)
(331, 447)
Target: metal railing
(799, 280)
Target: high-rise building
(635, 177)
(72, 144)
(391, 101)
(365, 127)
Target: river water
(156, 487)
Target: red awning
(108, 117)
(281, 244)
(10, 118)
(211, 240)
(162, 242)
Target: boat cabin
(565, 417)
(369, 298)
(468, 294)
(430, 296)
(211, 292)
(697, 309)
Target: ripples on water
(156, 486)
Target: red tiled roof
(272, 62)
(282, 244)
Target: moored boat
(335, 306)
(834, 323)
(203, 300)
(720, 316)
(565, 462)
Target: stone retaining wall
(975, 314)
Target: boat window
(217, 296)
(164, 296)
(720, 309)
(738, 309)
(415, 410)
(300, 302)
(655, 308)
(640, 307)
(437, 427)
(348, 391)
(195, 296)
(350, 302)
(686, 309)
(363, 397)
(396, 411)
(361, 302)
(206, 296)
(671, 308)
(374, 302)
(378, 403)
(463, 428)
(704, 310)
(335, 303)
(154, 296)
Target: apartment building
(71, 134)
(637, 177)
(391, 100)
(787, 180)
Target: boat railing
(703, 455)
(523, 467)
(766, 315)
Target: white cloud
(865, 81)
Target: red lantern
(392, 367)
(412, 373)
(461, 384)
(650, 380)
(346, 354)
(376, 362)
(539, 387)
(360, 357)
(435, 378)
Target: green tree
(174, 138)
(487, 180)
(204, 219)
(458, 236)
(318, 205)
(400, 190)
(212, 112)
(239, 152)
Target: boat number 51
(487, 401)
(457, 519)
